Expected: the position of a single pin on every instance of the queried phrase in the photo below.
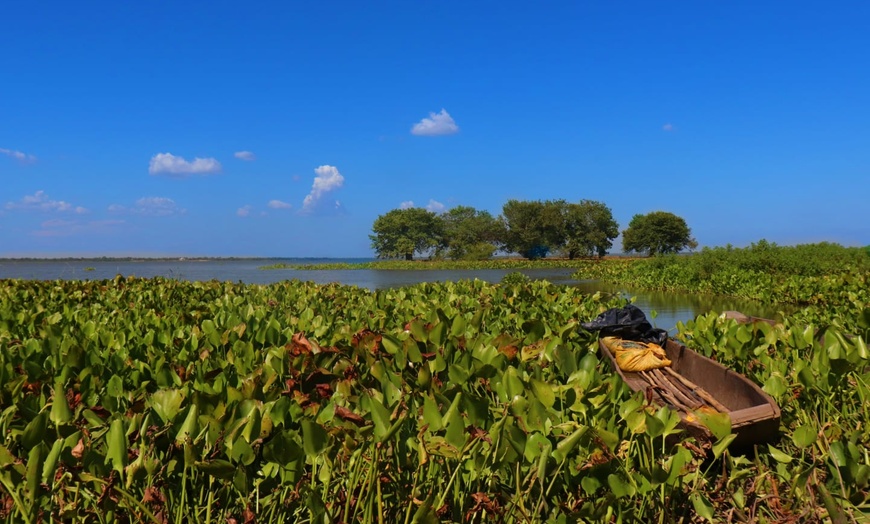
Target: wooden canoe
(754, 414)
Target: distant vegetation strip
(507, 263)
(809, 274)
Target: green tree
(401, 233)
(590, 229)
(470, 234)
(658, 232)
(532, 228)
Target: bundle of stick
(679, 392)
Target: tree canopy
(401, 233)
(590, 229)
(469, 234)
(658, 232)
(532, 228)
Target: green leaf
(115, 386)
(654, 426)
(702, 505)
(620, 487)
(437, 334)
(567, 444)
(861, 346)
(720, 446)
(242, 452)
(543, 392)
(34, 432)
(167, 403)
(222, 469)
(590, 484)
(116, 445)
(719, 424)
(534, 330)
(457, 329)
(283, 448)
(418, 331)
(804, 436)
(431, 414)
(50, 467)
(776, 385)
(454, 424)
(778, 455)
(189, 427)
(536, 444)
(314, 438)
(391, 344)
(380, 417)
(60, 411)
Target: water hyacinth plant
(134, 400)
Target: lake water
(669, 307)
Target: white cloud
(244, 211)
(407, 204)
(668, 127)
(435, 206)
(176, 166)
(245, 155)
(18, 155)
(437, 124)
(150, 206)
(277, 204)
(157, 206)
(58, 222)
(64, 228)
(328, 179)
(39, 201)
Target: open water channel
(669, 307)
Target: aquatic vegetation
(495, 263)
(815, 274)
(160, 400)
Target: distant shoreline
(164, 259)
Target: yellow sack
(636, 356)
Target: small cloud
(150, 206)
(247, 156)
(407, 204)
(24, 158)
(328, 179)
(296, 178)
(178, 167)
(39, 201)
(157, 206)
(668, 127)
(57, 222)
(65, 228)
(277, 204)
(244, 211)
(437, 124)
(434, 206)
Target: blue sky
(285, 128)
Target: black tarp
(628, 323)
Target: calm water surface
(669, 307)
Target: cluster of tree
(532, 229)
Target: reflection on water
(670, 307)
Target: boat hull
(754, 414)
